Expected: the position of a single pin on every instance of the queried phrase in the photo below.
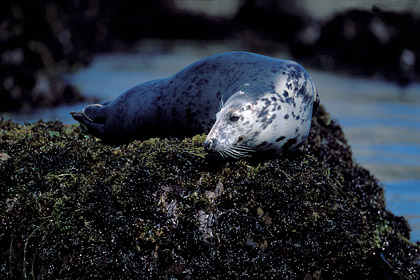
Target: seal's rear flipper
(92, 118)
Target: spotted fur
(246, 103)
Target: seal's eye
(234, 118)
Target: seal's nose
(209, 144)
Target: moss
(73, 207)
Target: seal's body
(261, 104)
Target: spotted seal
(246, 102)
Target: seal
(246, 102)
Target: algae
(73, 207)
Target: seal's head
(239, 124)
(259, 119)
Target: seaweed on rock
(72, 207)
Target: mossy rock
(73, 207)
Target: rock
(359, 42)
(76, 208)
(35, 52)
(3, 159)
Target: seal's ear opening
(315, 104)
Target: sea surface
(380, 119)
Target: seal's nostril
(208, 144)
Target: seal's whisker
(241, 153)
(243, 148)
(235, 150)
(245, 155)
(232, 153)
(228, 154)
(222, 154)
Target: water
(382, 123)
(380, 120)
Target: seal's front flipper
(92, 118)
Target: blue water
(403, 198)
(381, 121)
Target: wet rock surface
(72, 207)
(35, 52)
(362, 42)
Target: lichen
(73, 207)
